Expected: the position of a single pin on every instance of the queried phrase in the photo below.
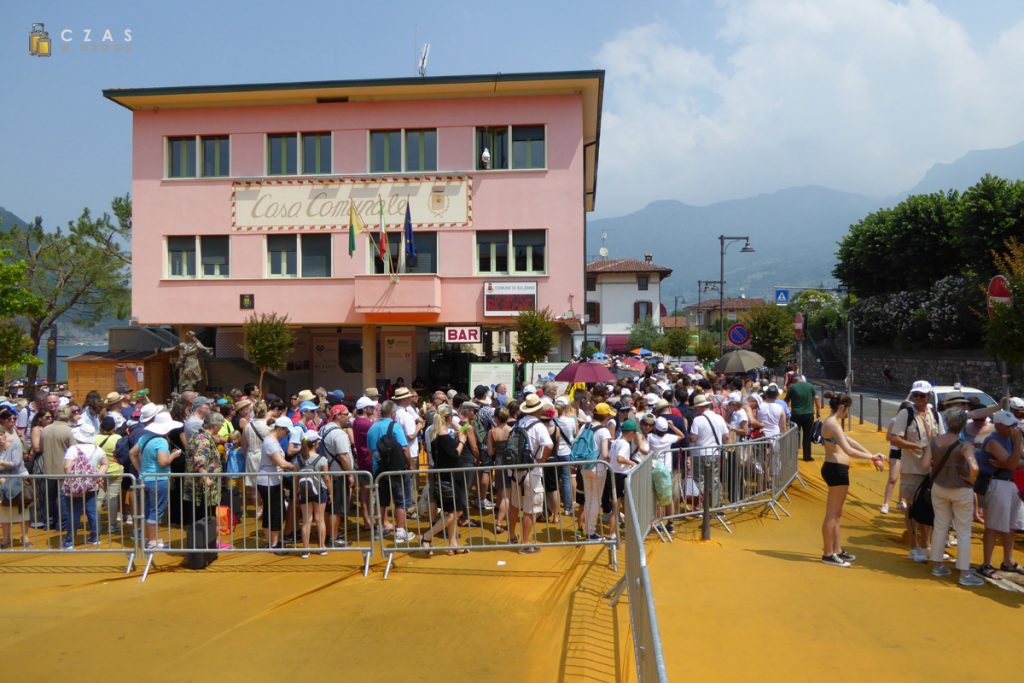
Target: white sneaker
(951, 541)
(885, 509)
(487, 504)
(403, 536)
(918, 555)
(903, 505)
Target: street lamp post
(724, 242)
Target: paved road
(878, 406)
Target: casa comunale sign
(323, 205)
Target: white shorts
(528, 497)
(1002, 506)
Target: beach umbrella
(600, 355)
(585, 372)
(641, 352)
(739, 361)
(633, 364)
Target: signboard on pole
(999, 293)
(492, 374)
(781, 297)
(738, 335)
(798, 326)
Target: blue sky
(704, 100)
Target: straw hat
(701, 401)
(306, 395)
(530, 404)
(400, 393)
(84, 432)
(149, 411)
(162, 424)
(113, 397)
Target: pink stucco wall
(550, 200)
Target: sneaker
(94, 541)
(278, 549)
(595, 537)
(845, 556)
(304, 556)
(288, 539)
(68, 546)
(414, 516)
(885, 509)
(941, 570)
(903, 505)
(154, 545)
(487, 504)
(322, 553)
(38, 525)
(835, 561)
(951, 541)
(670, 527)
(971, 580)
(128, 520)
(340, 542)
(580, 536)
(529, 550)
(403, 536)
(918, 555)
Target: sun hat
(113, 397)
(400, 393)
(661, 405)
(149, 411)
(954, 397)
(562, 401)
(365, 402)
(651, 398)
(162, 424)
(311, 436)
(701, 401)
(200, 401)
(735, 397)
(547, 413)
(84, 432)
(921, 386)
(530, 404)
(603, 409)
(625, 392)
(306, 395)
(661, 424)
(282, 422)
(373, 393)
(529, 389)
(1017, 403)
(469, 405)
(772, 390)
(307, 406)
(1005, 418)
(244, 403)
(629, 426)
(339, 409)
(450, 394)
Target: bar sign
(462, 335)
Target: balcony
(406, 293)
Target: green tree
(588, 351)
(14, 350)
(268, 342)
(991, 212)
(1006, 328)
(81, 272)
(535, 334)
(707, 350)
(771, 332)
(822, 312)
(675, 342)
(644, 334)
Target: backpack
(584, 447)
(390, 456)
(78, 487)
(123, 450)
(322, 448)
(518, 451)
(481, 435)
(309, 475)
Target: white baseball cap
(661, 424)
(365, 402)
(626, 392)
(1005, 418)
(651, 398)
(1017, 403)
(922, 386)
(562, 401)
(529, 389)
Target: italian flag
(384, 249)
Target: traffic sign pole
(999, 293)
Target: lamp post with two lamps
(724, 242)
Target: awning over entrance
(616, 343)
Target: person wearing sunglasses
(911, 431)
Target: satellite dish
(424, 56)
(603, 252)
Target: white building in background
(620, 292)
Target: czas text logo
(39, 44)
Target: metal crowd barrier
(207, 514)
(446, 506)
(733, 476)
(643, 617)
(38, 516)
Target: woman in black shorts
(839, 448)
(447, 489)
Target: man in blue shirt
(391, 489)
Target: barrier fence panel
(81, 513)
(786, 453)
(523, 507)
(286, 513)
(643, 617)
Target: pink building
(242, 198)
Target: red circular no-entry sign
(798, 326)
(999, 293)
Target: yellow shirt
(108, 442)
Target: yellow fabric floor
(756, 604)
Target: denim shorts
(156, 500)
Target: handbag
(921, 510)
(10, 490)
(981, 483)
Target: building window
(285, 253)
(421, 150)
(528, 249)
(181, 256)
(216, 156)
(426, 254)
(641, 310)
(283, 154)
(182, 157)
(591, 283)
(528, 148)
(385, 151)
(210, 252)
(316, 153)
(643, 282)
(593, 313)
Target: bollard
(861, 409)
(705, 529)
(879, 414)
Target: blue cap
(307, 405)
(222, 401)
(335, 397)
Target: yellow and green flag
(355, 227)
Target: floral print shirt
(202, 456)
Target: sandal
(988, 571)
(461, 551)
(1015, 568)
(425, 544)
(500, 528)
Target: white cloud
(860, 95)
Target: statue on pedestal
(187, 365)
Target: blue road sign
(781, 297)
(738, 334)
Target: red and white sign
(462, 335)
(999, 293)
(507, 299)
(798, 326)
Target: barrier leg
(387, 567)
(721, 520)
(131, 563)
(613, 556)
(366, 563)
(145, 572)
(615, 592)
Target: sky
(704, 101)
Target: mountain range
(794, 232)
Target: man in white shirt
(408, 418)
(528, 496)
(708, 431)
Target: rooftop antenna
(603, 251)
(424, 56)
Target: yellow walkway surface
(754, 605)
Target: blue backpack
(584, 447)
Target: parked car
(977, 397)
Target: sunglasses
(918, 394)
